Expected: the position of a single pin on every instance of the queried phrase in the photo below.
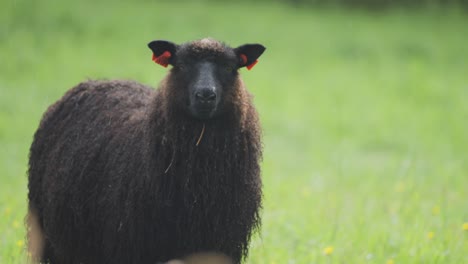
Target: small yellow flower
(430, 235)
(306, 192)
(20, 243)
(328, 250)
(400, 187)
(7, 211)
(436, 210)
(465, 226)
(15, 224)
(390, 261)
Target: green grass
(365, 115)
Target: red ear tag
(250, 66)
(244, 61)
(162, 59)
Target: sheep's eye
(181, 67)
(229, 68)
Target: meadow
(365, 115)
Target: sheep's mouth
(203, 112)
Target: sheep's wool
(208, 44)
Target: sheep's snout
(204, 103)
(206, 96)
(205, 92)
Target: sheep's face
(206, 81)
(205, 73)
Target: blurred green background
(363, 104)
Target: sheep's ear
(248, 54)
(163, 52)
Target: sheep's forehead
(207, 46)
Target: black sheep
(122, 173)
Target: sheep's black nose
(205, 96)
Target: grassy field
(365, 116)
